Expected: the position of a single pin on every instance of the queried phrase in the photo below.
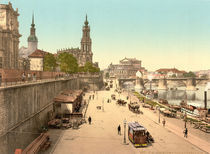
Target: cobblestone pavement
(101, 136)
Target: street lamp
(124, 142)
(185, 120)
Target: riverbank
(196, 137)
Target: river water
(195, 98)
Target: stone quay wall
(24, 109)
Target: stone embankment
(25, 108)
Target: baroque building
(9, 37)
(127, 68)
(84, 54)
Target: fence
(43, 78)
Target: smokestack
(205, 94)
(205, 99)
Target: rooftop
(68, 96)
(38, 54)
(136, 126)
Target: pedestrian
(85, 102)
(93, 96)
(185, 132)
(29, 77)
(34, 77)
(119, 130)
(89, 120)
(23, 77)
(90, 97)
(164, 122)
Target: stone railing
(26, 80)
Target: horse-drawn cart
(121, 102)
(134, 107)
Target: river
(195, 98)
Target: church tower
(32, 39)
(86, 51)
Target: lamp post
(124, 142)
(185, 120)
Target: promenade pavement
(101, 136)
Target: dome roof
(32, 38)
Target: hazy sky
(161, 33)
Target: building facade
(84, 54)
(9, 37)
(37, 60)
(203, 73)
(169, 72)
(127, 68)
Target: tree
(174, 76)
(81, 69)
(68, 63)
(107, 75)
(189, 74)
(49, 62)
(90, 68)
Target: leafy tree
(49, 62)
(68, 63)
(174, 75)
(189, 74)
(81, 69)
(107, 75)
(90, 68)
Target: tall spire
(33, 20)
(86, 21)
(32, 36)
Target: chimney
(205, 99)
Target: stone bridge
(190, 83)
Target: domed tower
(86, 50)
(32, 39)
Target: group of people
(29, 77)
(91, 97)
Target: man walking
(119, 130)
(89, 120)
(185, 132)
(164, 122)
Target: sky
(160, 33)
